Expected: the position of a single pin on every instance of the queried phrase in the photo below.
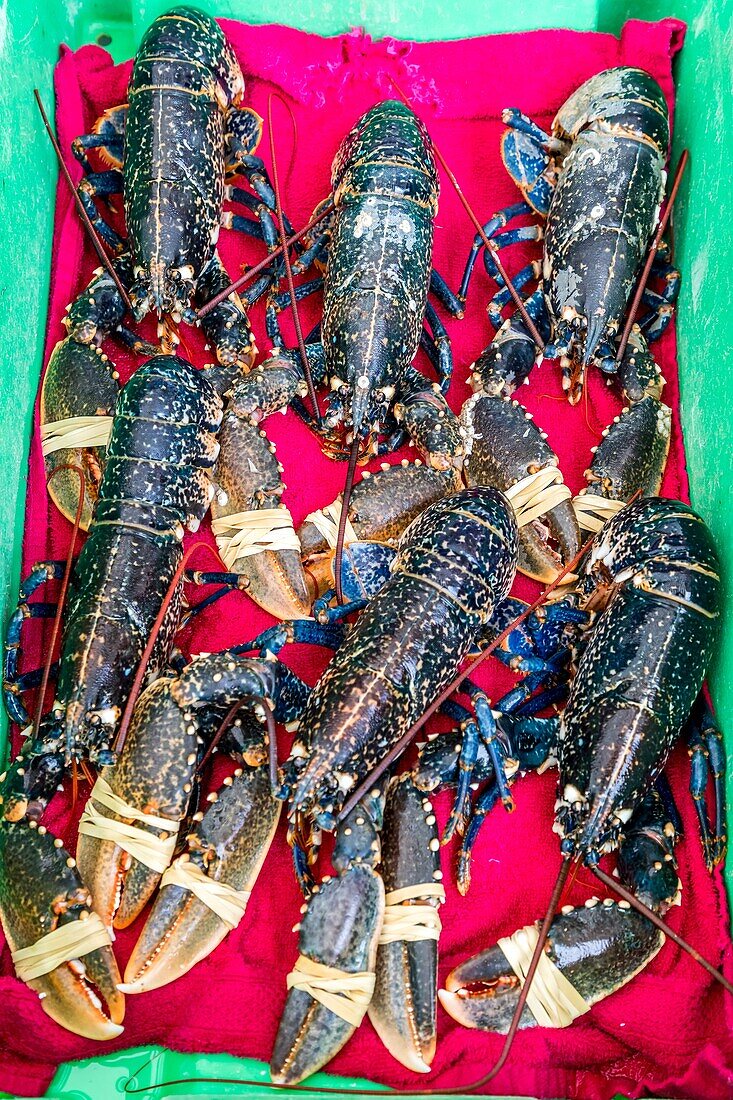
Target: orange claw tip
(455, 1005)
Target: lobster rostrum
(598, 179)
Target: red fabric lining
(667, 1032)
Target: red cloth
(668, 1031)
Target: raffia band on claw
(552, 999)
(411, 923)
(152, 849)
(326, 521)
(228, 904)
(244, 534)
(75, 431)
(346, 995)
(537, 494)
(67, 942)
(593, 511)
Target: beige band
(346, 995)
(228, 904)
(244, 534)
(593, 511)
(153, 850)
(552, 999)
(67, 942)
(410, 923)
(326, 521)
(537, 493)
(75, 431)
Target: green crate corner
(30, 34)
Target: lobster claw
(229, 845)
(339, 929)
(504, 446)
(404, 1006)
(597, 947)
(153, 775)
(81, 994)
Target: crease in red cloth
(667, 1032)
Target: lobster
(404, 648)
(377, 250)
(185, 92)
(653, 571)
(611, 136)
(156, 480)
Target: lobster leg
(248, 226)
(42, 572)
(441, 340)
(491, 228)
(504, 447)
(228, 845)
(440, 289)
(403, 1008)
(339, 929)
(524, 151)
(80, 381)
(154, 776)
(511, 356)
(41, 890)
(705, 746)
(102, 185)
(497, 751)
(503, 296)
(598, 948)
(505, 240)
(646, 862)
(661, 303)
(107, 136)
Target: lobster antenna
(619, 888)
(407, 737)
(164, 607)
(343, 517)
(527, 984)
(488, 243)
(289, 270)
(94, 236)
(64, 588)
(663, 221)
(250, 273)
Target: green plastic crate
(30, 34)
